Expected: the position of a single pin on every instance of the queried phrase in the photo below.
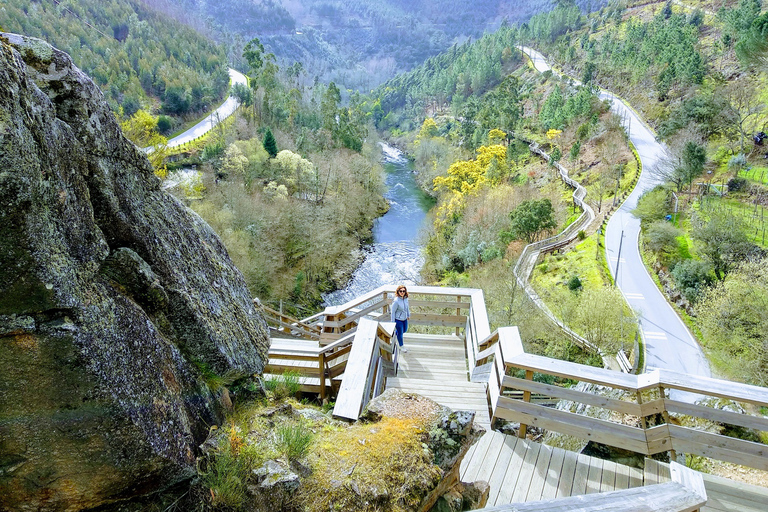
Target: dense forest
(138, 57)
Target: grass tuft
(294, 440)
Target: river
(395, 255)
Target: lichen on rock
(113, 295)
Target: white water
(395, 256)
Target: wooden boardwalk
(435, 366)
(517, 470)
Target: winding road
(669, 343)
(224, 111)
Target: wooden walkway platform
(435, 366)
(519, 470)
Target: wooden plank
(635, 477)
(658, 439)
(651, 472)
(350, 396)
(478, 459)
(595, 475)
(733, 418)
(539, 473)
(431, 384)
(668, 497)
(733, 487)
(727, 503)
(526, 472)
(713, 387)
(479, 313)
(613, 434)
(573, 395)
(581, 475)
(440, 320)
(567, 474)
(437, 304)
(491, 456)
(573, 371)
(719, 447)
(687, 477)
(502, 466)
(549, 491)
(652, 407)
(608, 480)
(622, 477)
(513, 472)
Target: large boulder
(116, 301)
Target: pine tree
(270, 145)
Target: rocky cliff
(116, 301)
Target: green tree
(233, 162)
(733, 316)
(529, 221)
(329, 107)
(721, 238)
(270, 144)
(253, 53)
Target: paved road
(669, 343)
(224, 111)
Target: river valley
(395, 256)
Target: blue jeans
(401, 327)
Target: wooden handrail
(287, 323)
(363, 379)
(650, 390)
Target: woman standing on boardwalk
(400, 314)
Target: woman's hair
(401, 287)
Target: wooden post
(643, 423)
(526, 398)
(458, 313)
(321, 372)
(665, 415)
(385, 309)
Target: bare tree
(681, 161)
(745, 105)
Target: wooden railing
(444, 309)
(683, 493)
(373, 356)
(319, 366)
(287, 324)
(657, 419)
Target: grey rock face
(114, 298)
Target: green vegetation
(283, 386)
(136, 55)
(294, 440)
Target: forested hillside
(138, 57)
(696, 71)
(357, 44)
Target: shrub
(284, 385)
(661, 238)
(581, 235)
(737, 162)
(164, 124)
(736, 184)
(293, 440)
(653, 205)
(226, 475)
(691, 277)
(574, 283)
